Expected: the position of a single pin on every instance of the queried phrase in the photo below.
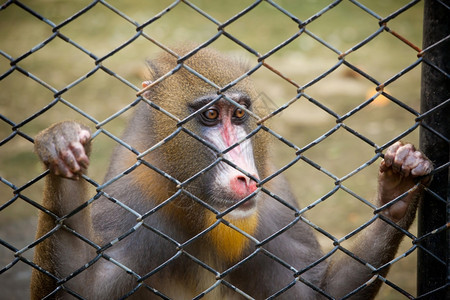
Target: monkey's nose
(243, 186)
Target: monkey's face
(232, 174)
(214, 156)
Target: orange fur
(228, 242)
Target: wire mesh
(79, 61)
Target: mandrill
(201, 206)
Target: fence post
(434, 212)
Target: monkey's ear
(145, 83)
(152, 75)
(146, 94)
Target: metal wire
(304, 28)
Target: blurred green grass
(100, 31)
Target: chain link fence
(341, 80)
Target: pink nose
(242, 185)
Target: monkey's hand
(400, 170)
(64, 148)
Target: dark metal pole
(433, 278)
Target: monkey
(192, 207)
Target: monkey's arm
(378, 244)
(64, 149)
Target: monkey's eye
(210, 116)
(239, 113)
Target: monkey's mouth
(239, 207)
(247, 204)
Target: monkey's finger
(423, 168)
(58, 167)
(68, 159)
(401, 155)
(84, 136)
(79, 154)
(410, 162)
(383, 166)
(390, 154)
